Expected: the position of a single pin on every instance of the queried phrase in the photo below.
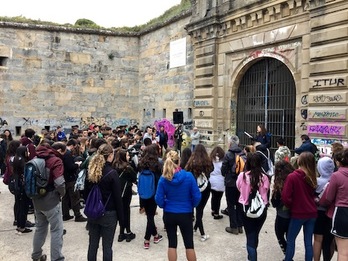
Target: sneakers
(224, 211)
(157, 239)
(232, 230)
(20, 231)
(204, 238)
(146, 245)
(66, 218)
(130, 236)
(29, 224)
(80, 219)
(42, 258)
(121, 237)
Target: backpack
(202, 182)
(146, 184)
(270, 171)
(80, 181)
(36, 177)
(95, 208)
(239, 164)
(13, 185)
(256, 205)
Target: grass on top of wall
(86, 23)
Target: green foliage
(185, 5)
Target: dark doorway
(267, 95)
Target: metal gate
(267, 95)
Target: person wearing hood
(48, 209)
(336, 196)
(27, 140)
(235, 211)
(322, 237)
(177, 193)
(282, 153)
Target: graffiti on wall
(335, 82)
(325, 98)
(327, 129)
(329, 114)
(304, 99)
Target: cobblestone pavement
(220, 246)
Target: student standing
(336, 194)
(198, 164)
(299, 196)
(101, 172)
(177, 194)
(250, 182)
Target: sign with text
(177, 53)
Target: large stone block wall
(51, 78)
(163, 89)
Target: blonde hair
(170, 165)
(96, 165)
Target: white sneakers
(204, 238)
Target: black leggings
(216, 201)
(281, 226)
(200, 209)
(126, 200)
(184, 221)
(150, 209)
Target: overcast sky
(106, 13)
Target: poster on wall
(177, 56)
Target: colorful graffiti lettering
(326, 129)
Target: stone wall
(52, 76)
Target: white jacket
(216, 179)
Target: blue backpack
(146, 184)
(36, 177)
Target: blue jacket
(306, 146)
(180, 195)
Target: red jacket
(299, 196)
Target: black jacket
(227, 166)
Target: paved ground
(220, 246)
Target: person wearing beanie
(323, 239)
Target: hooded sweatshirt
(299, 196)
(55, 164)
(179, 195)
(336, 191)
(282, 153)
(325, 168)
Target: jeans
(252, 227)
(235, 209)
(104, 228)
(43, 218)
(294, 228)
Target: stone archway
(267, 95)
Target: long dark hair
(306, 162)
(199, 162)
(255, 164)
(19, 160)
(185, 156)
(149, 158)
(281, 170)
(120, 160)
(12, 147)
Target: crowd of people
(307, 192)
